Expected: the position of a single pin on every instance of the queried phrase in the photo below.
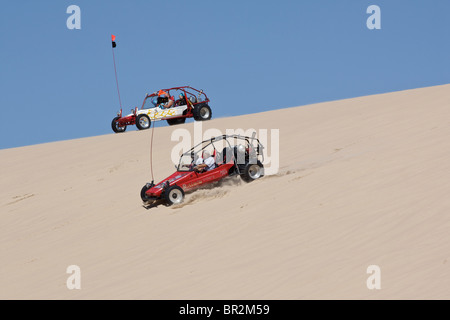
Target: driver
(205, 164)
(169, 103)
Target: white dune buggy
(192, 103)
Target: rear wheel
(115, 126)
(252, 171)
(143, 122)
(202, 112)
(174, 195)
(176, 121)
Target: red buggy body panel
(191, 180)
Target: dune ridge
(362, 181)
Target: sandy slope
(362, 181)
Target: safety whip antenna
(113, 39)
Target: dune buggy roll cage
(249, 140)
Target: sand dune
(362, 181)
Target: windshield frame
(148, 97)
(192, 153)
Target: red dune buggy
(239, 155)
(174, 105)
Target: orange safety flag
(113, 39)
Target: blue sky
(248, 56)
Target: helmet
(155, 101)
(240, 148)
(193, 99)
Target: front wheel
(143, 122)
(115, 126)
(202, 112)
(252, 171)
(144, 189)
(174, 195)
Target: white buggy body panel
(159, 113)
